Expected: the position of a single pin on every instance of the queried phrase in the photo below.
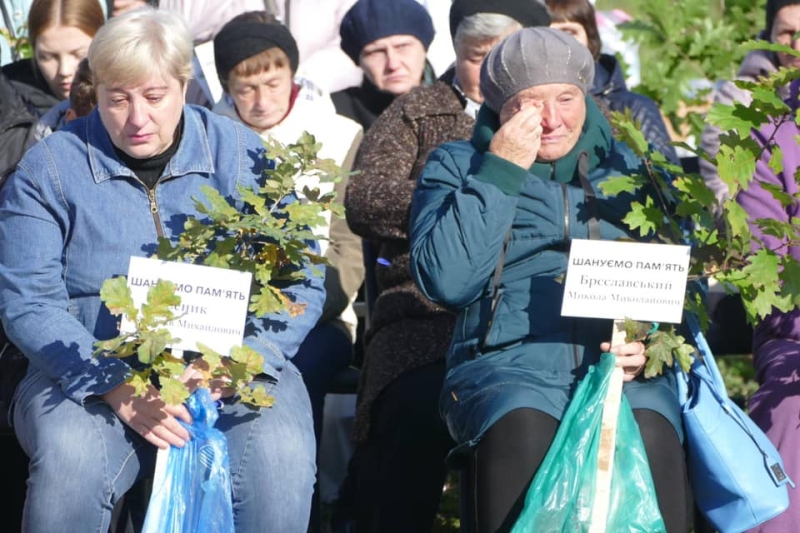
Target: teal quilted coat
(466, 202)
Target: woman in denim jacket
(81, 203)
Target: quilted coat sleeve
(463, 207)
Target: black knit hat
(773, 6)
(370, 20)
(526, 12)
(238, 41)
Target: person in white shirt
(257, 62)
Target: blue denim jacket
(71, 217)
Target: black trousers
(396, 478)
(502, 468)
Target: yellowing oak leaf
(116, 295)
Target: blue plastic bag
(561, 495)
(192, 494)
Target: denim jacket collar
(193, 155)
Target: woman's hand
(519, 138)
(630, 357)
(149, 416)
(155, 420)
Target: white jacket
(313, 111)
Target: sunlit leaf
(116, 295)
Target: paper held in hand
(618, 280)
(213, 307)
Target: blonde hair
(139, 44)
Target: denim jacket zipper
(151, 194)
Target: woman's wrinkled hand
(519, 138)
(630, 357)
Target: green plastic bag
(562, 493)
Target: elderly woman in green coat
(491, 224)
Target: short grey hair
(136, 45)
(484, 26)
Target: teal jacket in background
(465, 203)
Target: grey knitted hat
(531, 57)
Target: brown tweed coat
(406, 330)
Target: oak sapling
(269, 238)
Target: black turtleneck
(365, 102)
(362, 103)
(150, 169)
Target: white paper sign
(616, 280)
(207, 74)
(213, 305)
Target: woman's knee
(276, 441)
(504, 464)
(668, 467)
(658, 433)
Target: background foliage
(682, 57)
(684, 54)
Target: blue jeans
(83, 458)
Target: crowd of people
(474, 135)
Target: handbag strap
(706, 355)
(594, 233)
(498, 274)
(589, 196)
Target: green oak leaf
(775, 163)
(736, 166)
(140, 382)
(258, 396)
(173, 391)
(696, 190)
(737, 117)
(636, 330)
(629, 131)
(664, 349)
(619, 184)
(790, 279)
(646, 218)
(762, 269)
(116, 295)
(161, 300)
